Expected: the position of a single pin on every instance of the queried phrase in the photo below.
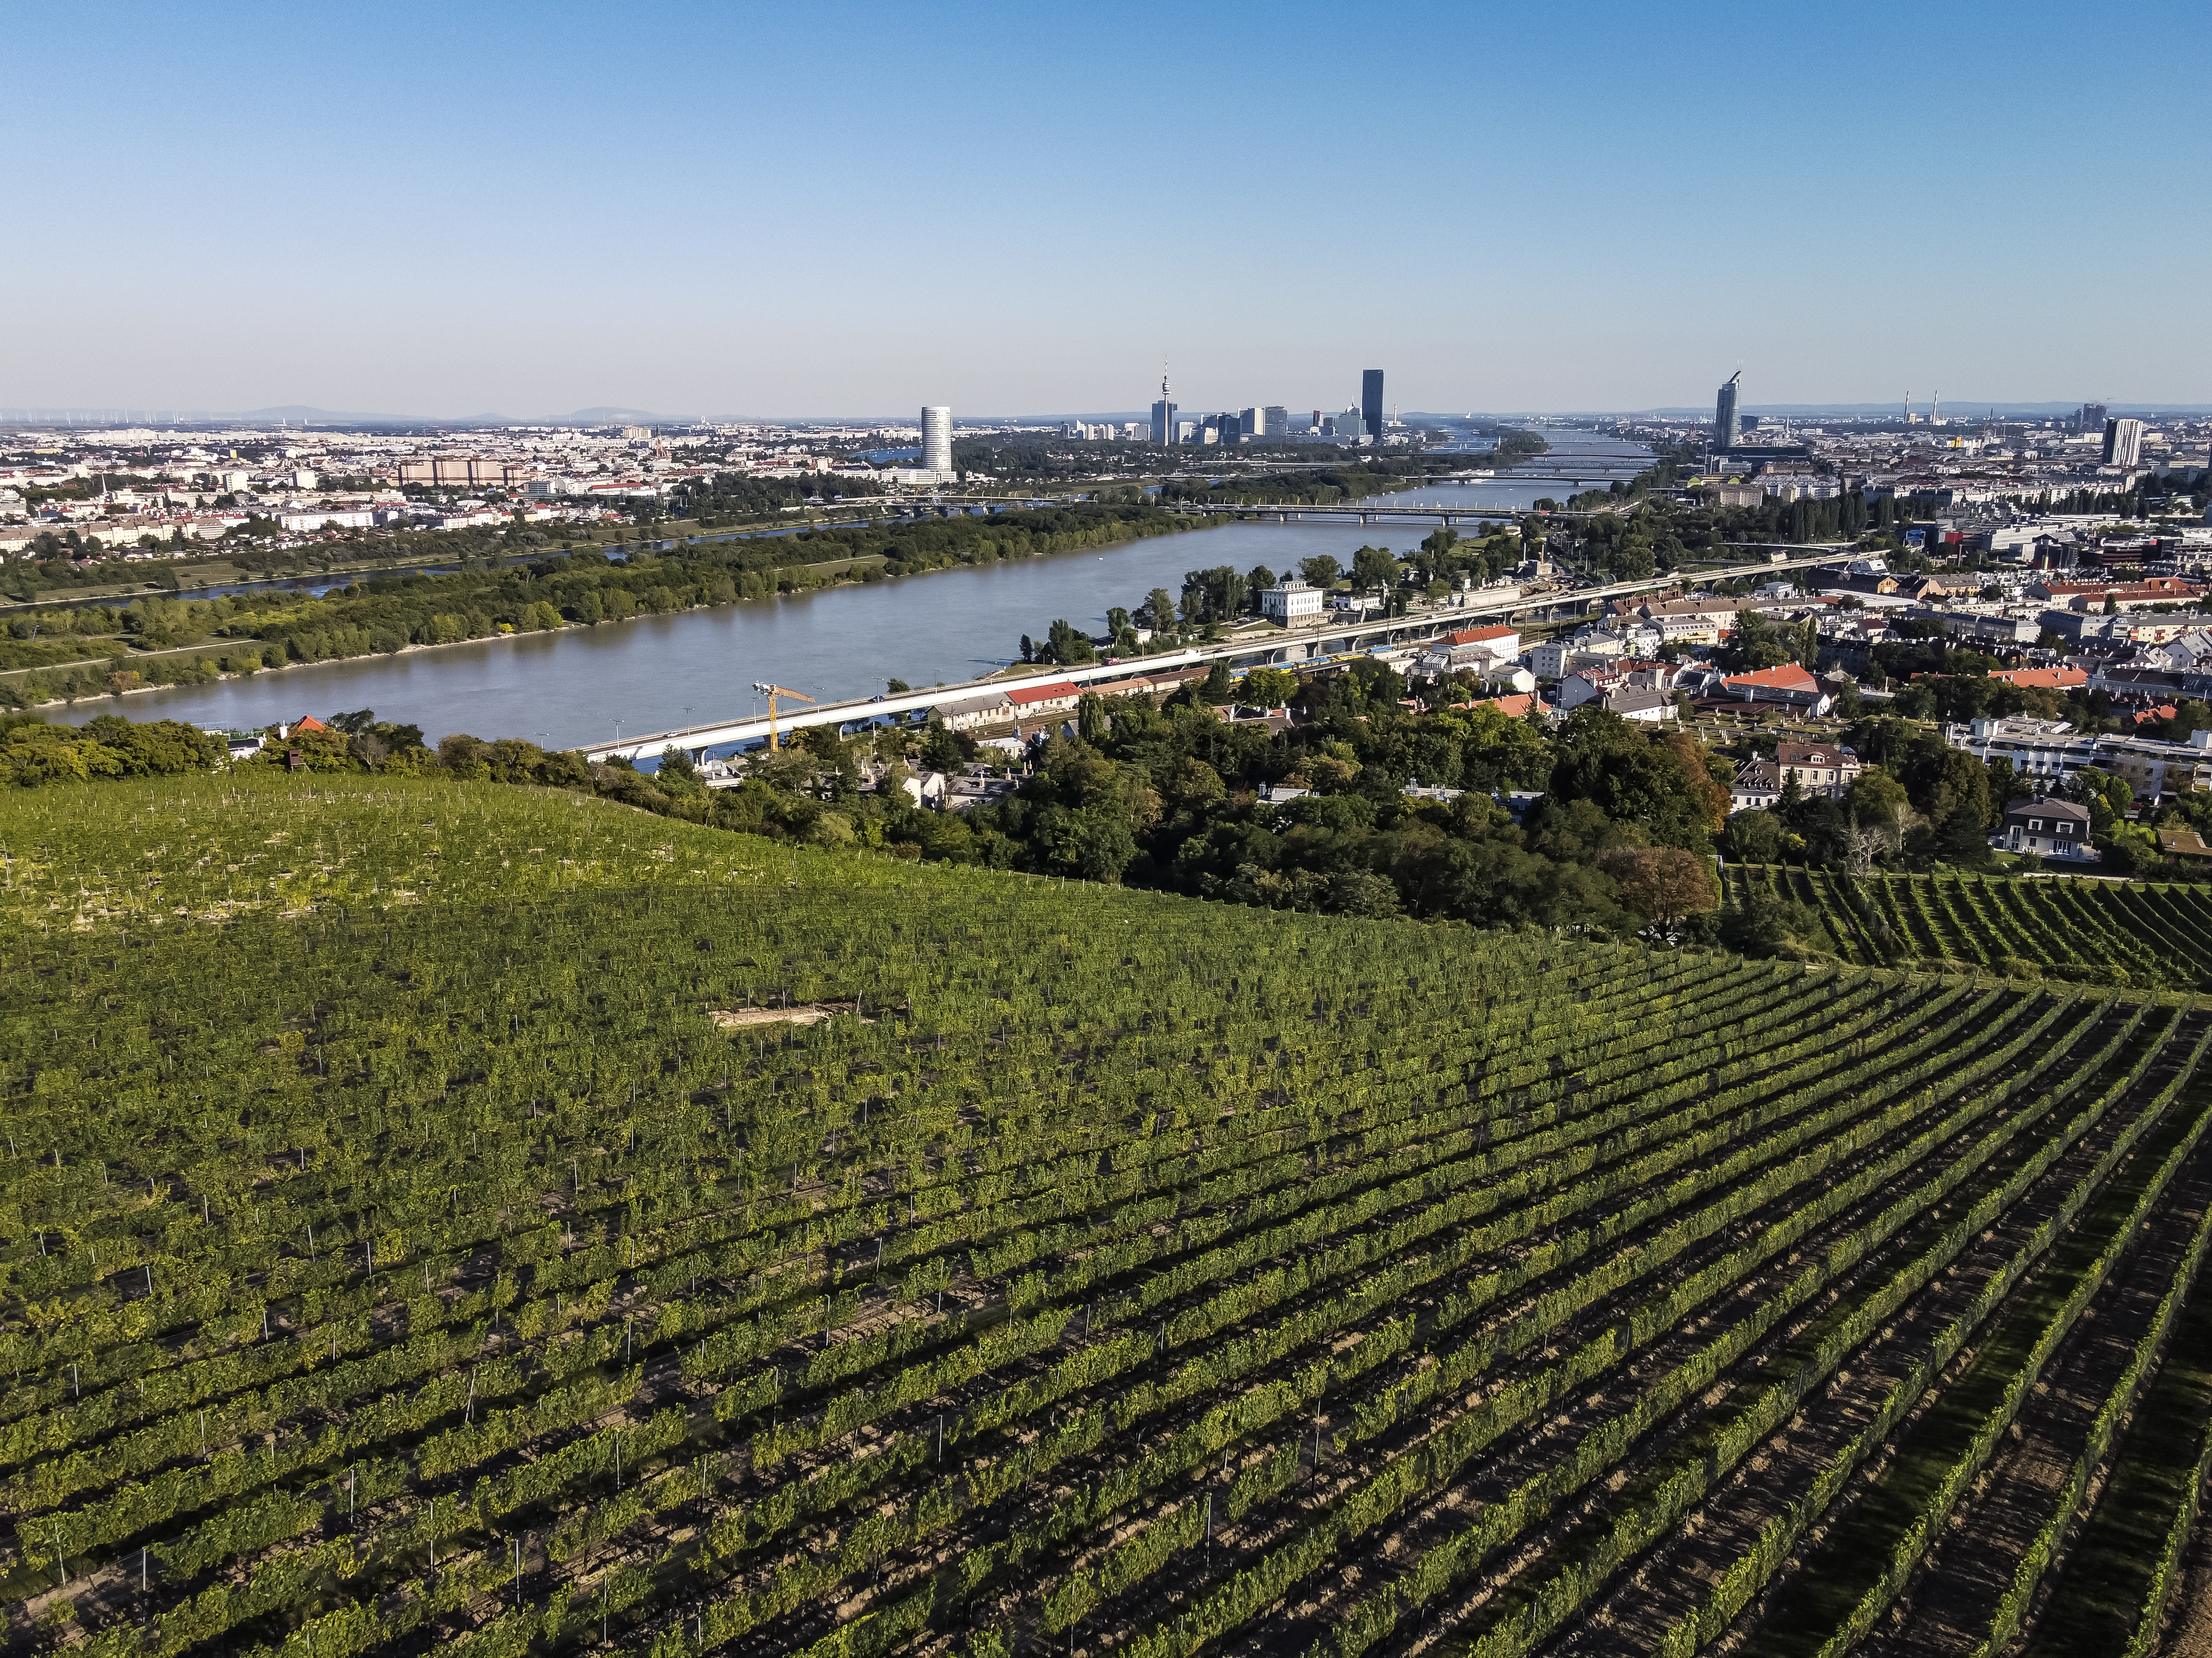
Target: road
(1274, 646)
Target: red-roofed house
(2048, 679)
(1500, 642)
(1789, 684)
(1056, 697)
(1515, 707)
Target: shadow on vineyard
(2154, 936)
(447, 1215)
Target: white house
(1291, 601)
(2053, 829)
(965, 713)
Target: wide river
(587, 684)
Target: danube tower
(1164, 412)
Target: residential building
(2046, 679)
(1826, 769)
(1548, 660)
(1056, 697)
(1641, 703)
(2186, 843)
(2049, 827)
(2080, 628)
(1790, 684)
(1292, 602)
(2052, 751)
(1498, 643)
(1757, 786)
(966, 713)
(2119, 595)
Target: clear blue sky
(729, 209)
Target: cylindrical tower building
(937, 438)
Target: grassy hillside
(460, 1216)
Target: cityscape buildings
(1163, 414)
(1370, 403)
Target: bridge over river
(1259, 648)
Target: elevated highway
(1262, 648)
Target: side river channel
(588, 685)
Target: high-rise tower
(1726, 425)
(2122, 443)
(1164, 412)
(937, 438)
(1370, 403)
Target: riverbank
(266, 633)
(834, 641)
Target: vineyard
(462, 1217)
(2100, 932)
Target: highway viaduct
(1274, 646)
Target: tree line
(246, 632)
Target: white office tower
(1251, 424)
(937, 438)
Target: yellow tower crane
(772, 692)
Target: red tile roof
(1052, 693)
(1516, 707)
(1479, 635)
(2049, 679)
(1789, 676)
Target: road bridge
(1270, 647)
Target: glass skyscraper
(1727, 426)
(1370, 403)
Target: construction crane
(772, 692)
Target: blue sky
(816, 211)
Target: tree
(1754, 643)
(1320, 570)
(1157, 612)
(1217, 688)
(1270, 688)
(1664, 885)
(1754, 838)
(897, 687)
(1373, 570)
(1092, 722)
(1064, 643)
(1659, 783)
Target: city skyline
(530, 213)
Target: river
(588, 685)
